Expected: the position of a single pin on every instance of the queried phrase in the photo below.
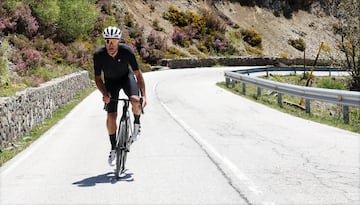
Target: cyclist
(114, 61)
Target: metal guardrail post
(244, 88)
(233, 83)
(346, 114)
(279, 95)
(307, 106)
(227, 81)
(258, 91)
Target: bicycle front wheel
(121, 152)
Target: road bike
(124, 137)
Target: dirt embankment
(313, 27)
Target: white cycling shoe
(112, 157)
(136, 132)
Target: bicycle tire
(121, 152)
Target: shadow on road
(103, 178)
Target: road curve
(199, 145)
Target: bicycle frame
(123, 136)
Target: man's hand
(106, 98)
(143, 101)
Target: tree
(348, 14)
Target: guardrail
(342, 97)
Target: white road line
(213, 152)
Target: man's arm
(141, 84)
(100, 85)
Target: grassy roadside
(8, 153)
(324, 113)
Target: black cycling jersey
(116, 71)
(117, 67)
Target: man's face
(111, 45)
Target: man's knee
(135, 103)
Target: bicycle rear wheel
(121, 152)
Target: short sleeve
(133, 62)
(97, 64)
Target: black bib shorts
(127, 84)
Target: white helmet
(112, 32)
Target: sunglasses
(111, 41)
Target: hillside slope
(313, 27)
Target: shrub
(253, 50)
(234, 37)
(195, 52)
(155, 40)
(176, 17)
(174, 52)
(20, 20)
(251, 37)
(81, 54)
(4, 63)
(46, 11)
(217, 44)
(20, 41)
(154, 48)
(201, 47)
(42, 44)
(129, 20)
(60, 53)
(191, 32)
(213, 22)
(283, 55)
(198, 22)
(26, 60)
(136, 31)
(180, 37)
(76, 18)
(299, 44)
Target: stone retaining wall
(237, 61)
(30, 107)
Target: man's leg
(136, 109)
(112, 127)
(135, 104)
(132, 91)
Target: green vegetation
(4, 76)
(37, 43)
(8, 153)
(251, 37)
(299, 44)
(321, 112)
(77, 18)
(283, 55)
(326, 82)
(47, 16)
(253, 50)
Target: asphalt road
(199, 145)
